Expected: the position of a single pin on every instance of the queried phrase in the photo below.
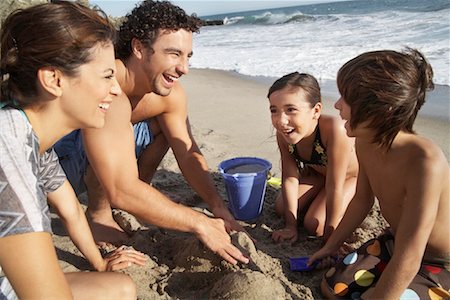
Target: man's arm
(416, 222)
(175, 125)
(110, 151)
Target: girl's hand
(123, 257)
(285, 234)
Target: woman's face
(87, 97)
(292, 115)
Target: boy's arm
(419, 210)
(289, 190)
(176, 128)
(356, 212)
(339, 148)
(72, 216)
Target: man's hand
(286, 234)
(230, 222)
(123, 257)
(212, 233)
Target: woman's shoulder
(14, 123)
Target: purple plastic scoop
(301, 264)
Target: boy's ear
(50, 80)
(137, 47)
(317, 110)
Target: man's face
(168, 61)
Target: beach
(229, 115)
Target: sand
(230, 117)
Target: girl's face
(86, 97)
(292, 115)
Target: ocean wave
(320, 38)
(268, 18)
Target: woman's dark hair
(386, 89)
(145, 21)
(59, 34)
(295, 81)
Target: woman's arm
(72, 215)
(31, 266)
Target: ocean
(319, 38)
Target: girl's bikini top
(318, 154)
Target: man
(153, 51)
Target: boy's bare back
(411, 181)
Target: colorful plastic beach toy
(301, 264)
(274, 182)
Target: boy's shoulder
(408, 152)
(418, 148)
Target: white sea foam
(274, 43)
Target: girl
(319, 165)
(57, 74)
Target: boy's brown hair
(386, 89)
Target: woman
(318, 161)
(57, 75)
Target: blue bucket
(245, 182)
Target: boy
(381, 93)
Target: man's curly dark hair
(145, 21)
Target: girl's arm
(339, 148)
(72, 216)
(290, 194)
(31, 266)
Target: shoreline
(251, 118)
(436, 106)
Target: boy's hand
(123, 257)
(326, 257)
(285, 234)
(328, 230)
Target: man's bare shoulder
(118, 115)
(152, 105)
(173, 103)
